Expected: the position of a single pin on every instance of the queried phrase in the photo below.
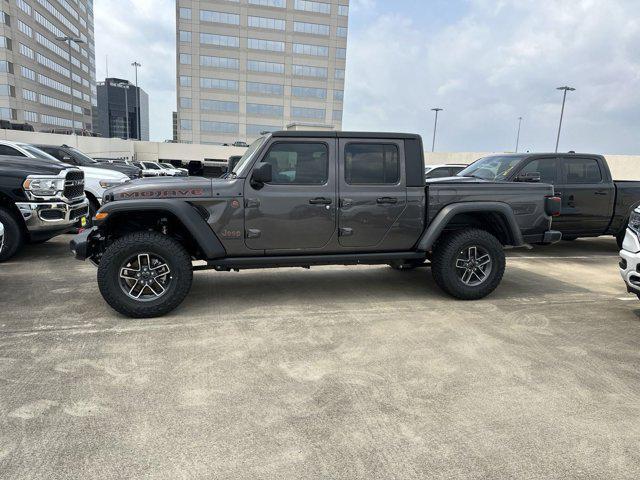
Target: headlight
(112, 183)
(44, 187)
(634, 222)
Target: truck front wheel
(145, 274)
(468, 264)
(13, 236)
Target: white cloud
(502, 60)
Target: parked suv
(39, 199)
(630, 255)
(151, 169)
(299, 199)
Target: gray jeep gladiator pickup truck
(299, 199)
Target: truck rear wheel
(468, 264)
(13, 235)
(145, 275)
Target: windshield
(85, 159)
(492, 168)
(166, 166)
(37, 153)
(152, 166)
(248, 156)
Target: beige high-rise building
(39, 83)
(249, 66)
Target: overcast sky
(486, 62)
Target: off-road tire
(169, 249)
(447, 251)
(620, 237)
(14, 237)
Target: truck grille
(74, 185)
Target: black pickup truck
(299, 199)
(38, 200)
(593, 204)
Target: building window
(262, 110)
(219, 84)
(265, 67)
(371, 164)
(315, 7)
(185, 36)
(6, 67)
(343, 10)
(185, 13)
(341, 32)
(265, 89)
(28, 73)
(268, 45)
(219, 106)
(254, 129)
(341, 53)
(30, 116)
(218, 127)
(185, 125)
(308, 113)
(29, 95)
(24, 28)
(185, 59)
(299, 163)
(269, 3)
(7, 113)
(338, 95)
(311, 28)
(24, 6)
(339, 74)
(306, 49)
(219, 62)
(185, 102)
(26, 51)
(6, 43)
(219, 40)
(309, 71)
(309, 92)
(337, 115)
(265, 22)
(185, 81)
(7, 90)
(219, 17)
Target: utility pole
(518, 137)
(138, 134)
(68, 41)
(564, 99)
(435, 128)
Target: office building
(40, 83)
(123, 110)
(248, 66)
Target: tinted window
(299, 163)
(582, 170)
(546, 167)
(439, 173)
(6, 150)
(371, 163)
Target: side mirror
(531, 177)
(263, 173)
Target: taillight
(553, 205)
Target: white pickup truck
(630, 255)
(97, 180)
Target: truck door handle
(602, 194)
(387, 200)
(320, 201)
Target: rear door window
(582, 171)
(372, 164)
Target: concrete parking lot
(337, 372)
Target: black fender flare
(192, 220)
(437, 226)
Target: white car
(96, 180)
(630, 255)
(442, 171)
(174, 171)
(1, 236)
(151, 169)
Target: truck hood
(31, 166)
(102, 174)
(162, 187)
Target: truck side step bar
(305, 261)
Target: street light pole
(139, 135)
(68, 41)
(435, 128)
(518, 137)
(564, 99)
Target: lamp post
(564, 99)
(518, 136)
(138, 134)
(435, 128)
(68, 41)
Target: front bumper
(630, 262)
(52, 216)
